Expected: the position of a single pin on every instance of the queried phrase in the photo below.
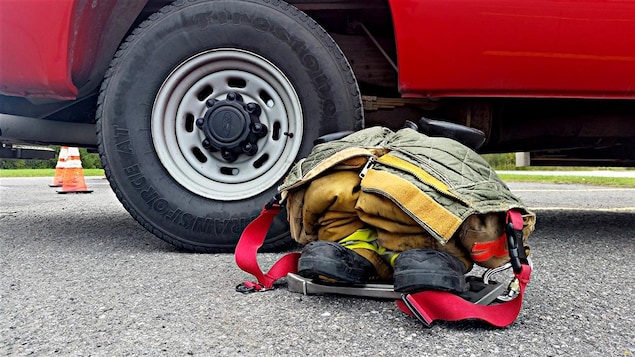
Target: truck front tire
(207, 105)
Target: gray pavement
(79, 277)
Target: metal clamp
(299, 284)
(480, 292)
(487, 276)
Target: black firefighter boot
(332, 263)
(429, 269)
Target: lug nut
(253, 108)
(210, 103)
(228, 155)
(259, 129)
(250, 149)
(231, 96)
(206, 144)
(200, 122)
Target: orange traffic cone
(74, 174)
(58, 180)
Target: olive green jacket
(437, 183)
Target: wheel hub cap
(232, 127)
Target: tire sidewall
(277, 32)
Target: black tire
(158, 84)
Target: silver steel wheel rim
(181, 100)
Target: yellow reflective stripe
(418, 172)
(363, 235)
(363, 239)
(364, 245)
(414, 202)
(392, 258)
(366, 238)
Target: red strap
(516, 218)
(434, 305)
(247, 248)
(482, 251)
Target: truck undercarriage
(198, 109)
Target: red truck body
(499, 48)
(51, 47)
(457, 48)
(37, 38)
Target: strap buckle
(512, 247)
(275, 201)
(249, 287)
(515, 245)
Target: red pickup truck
(198, 108)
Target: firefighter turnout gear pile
(415, 191)
(401, 207)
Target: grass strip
(571, 180)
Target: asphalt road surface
(78, 276)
